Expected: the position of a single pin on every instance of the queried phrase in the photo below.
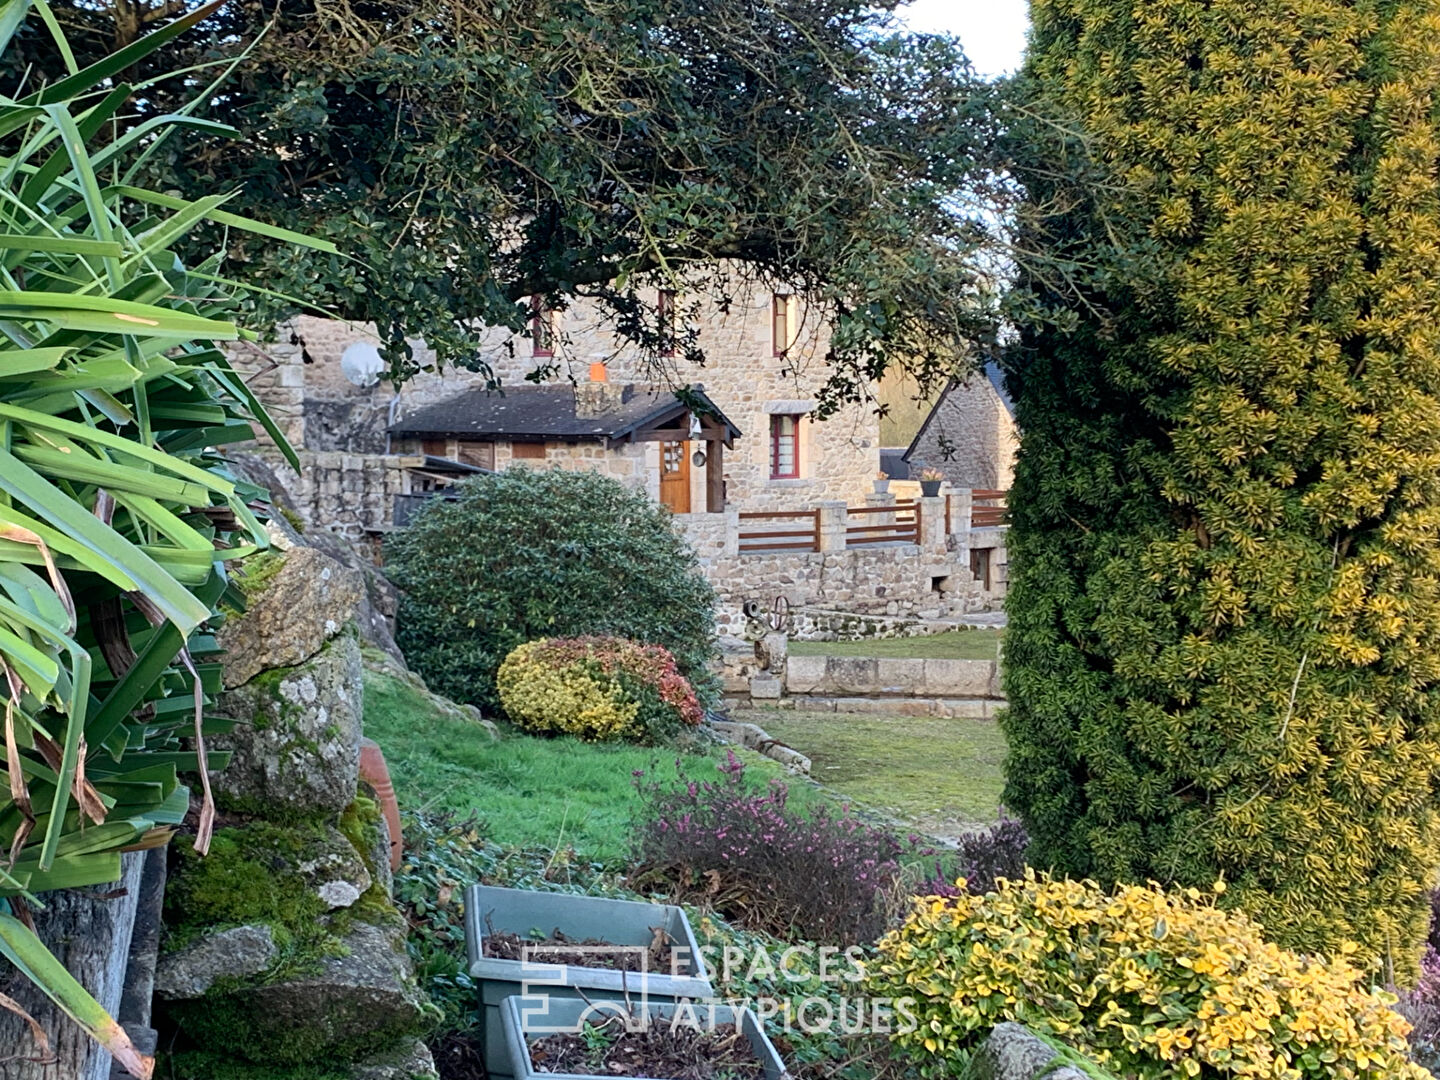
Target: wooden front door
(675, 476)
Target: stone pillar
(883, 498)
(932, 524)
(962, 502)
(833, 521)
(732, 532)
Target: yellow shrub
(573, 699)
(1147, 983)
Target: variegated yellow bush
(1147, 983)
(568, 700)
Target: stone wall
(881, 589)
(299, 379)
(971, 437)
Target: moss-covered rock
(356, 1003)
(296, 750)
(296, 601)
(338, 984)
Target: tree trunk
(88, 930)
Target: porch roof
(533, 413)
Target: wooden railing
(798, 539)
(903, 528)
(988, 509)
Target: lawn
(971, 644)
(527, 791)
(941, 776)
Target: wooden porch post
(715, 476)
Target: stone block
(360, 1001)
(766, 687)
(1013, 1052)
(296, 601)
(238, 952)
(851, 674)
(902, 676)
(805, 674)
(959, 678)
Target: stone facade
(900, 583)
(970, 435)
(300, 379)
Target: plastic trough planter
(615, 922)
(521, 1028)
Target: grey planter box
(570, 1014)
(616, 922)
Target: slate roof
(547, 412)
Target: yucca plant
(117, 516)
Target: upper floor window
(781, 329)
(665, 307)
(784, 447)
(542, 328)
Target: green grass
(940, 775)
(972, 644)
(527, 791)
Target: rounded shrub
(526, 554)
(1146, 983)
(598, 688)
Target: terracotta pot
(376, 773)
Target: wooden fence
(903, 526)
(988, 509)
(784, 539)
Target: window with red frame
(665, 307)
(784, 447)
(780, 329)
(542, 328)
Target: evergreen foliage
(469, 156)
(527, 554)
(1224, 634)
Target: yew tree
(1223, 658)
(466, 156)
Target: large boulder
(296, 601)
(296, 748)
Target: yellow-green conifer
(1224, 650)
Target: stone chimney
(599, 395)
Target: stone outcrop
(283, 946)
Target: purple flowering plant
(818, 873)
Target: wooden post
(715, 476)
(88, 930)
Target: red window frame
(780, 330)
(542, 328)
(665, 310)
(778, 437)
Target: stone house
(970, 434)
(642, 436)
(765, 362)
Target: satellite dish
(361, 364)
